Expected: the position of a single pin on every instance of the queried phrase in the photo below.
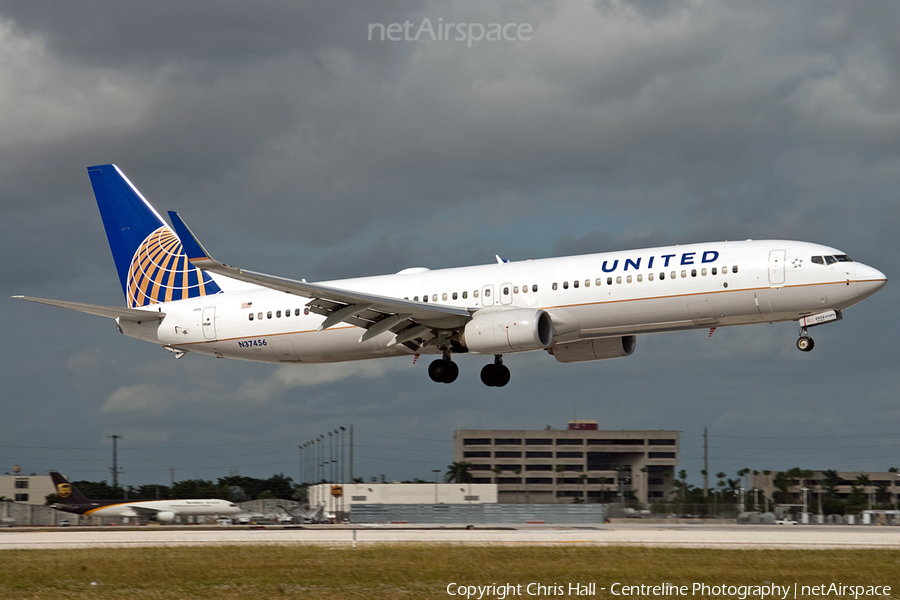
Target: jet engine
(511, 330)
(164, 516)
(600, 349)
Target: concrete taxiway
(663, 536)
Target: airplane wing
(110, 312)
(377, 314)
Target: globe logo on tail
(160, 272)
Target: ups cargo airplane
(577, 308)
(163, 511)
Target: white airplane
(163, 511)
(577, 308)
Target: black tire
(805, 344)
(437, 370)
(452, 372)
(489, 375)
(503, 376)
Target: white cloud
(144, 398)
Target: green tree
(458, 472)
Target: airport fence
(470, 514)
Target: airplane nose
(869, 280)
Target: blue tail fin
(150, 259)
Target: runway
(661, 536)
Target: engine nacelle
(510, 330)
(601, 349)
(164, 516)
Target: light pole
(436, 473)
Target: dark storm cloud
(294, 145)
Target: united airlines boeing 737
(577, 308)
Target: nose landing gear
(495, 375)
(805, 343)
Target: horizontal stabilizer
(110, 312)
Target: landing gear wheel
(443, 371)
(452, 372)
(805, 344)
(495, 375)
(489, 375)
(502, 376)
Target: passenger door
(776, 267)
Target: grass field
(415, 571)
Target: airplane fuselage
(695, 286)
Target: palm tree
(830, 482)
(458, 472)
(863, 481)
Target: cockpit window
(843, 258)
(830, 260)
(818, 260)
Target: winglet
(192, 246)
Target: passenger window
(629, 279)
(587, 283)
(454, 295)
(444, 297)
(662, 276)
(415, 298)
(703, 272)
(465, 295)
(724, 270)
(425, 298)
(575, 284)
(534, 288)
(619, 279)
(673, 275)
(515, 289)
(434, 297)
(830, 260)
(306, 310)
(475, 293)
(251, 316)
(713, 270)
(269, 315)
(565, 285)
(693, 272)
(734, 269)
(554, 286)
(259, 316)
(650, 277)
(640, 278)
(683, 274)
(296, 312)
(597, 283)
(609, 281)
(277, 314)
(287, 313)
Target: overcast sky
(297, 146)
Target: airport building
(881, 487)
(579, 464)
(342, 497)
(27, 489)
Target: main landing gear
(444, 370)
(805, 343)
(495, 375)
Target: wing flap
(333, 303)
